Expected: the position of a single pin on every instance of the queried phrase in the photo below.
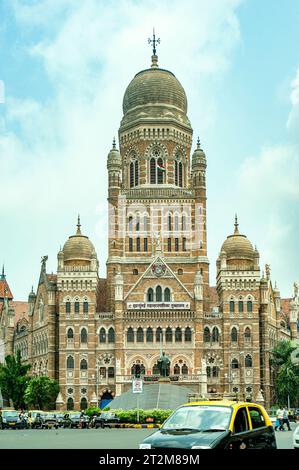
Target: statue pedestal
(164, 380)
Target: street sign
(137, 385)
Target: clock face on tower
(158, 269)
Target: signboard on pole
(137, 385)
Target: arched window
(159, 334)
(140, 335)
(176, 173)
(215, 371)
(110, 372)
(136, 173)
(167, 296)
(135, 272)
(70, 333)
(206, 335)
(168, 335)
(70, 404)
(241, 306)
(169, 219)
(232, 306)
(160, 171)
(188, 335)
(158, 294)
(235, 364)
(248, 361)
(215, 335)
(131, 175)
(178, 335)
(176, 370)
(234, 335)
(153, 171)
(150, 295)
(249, 306)
(85, 307)
(70, 362)
(184, 369)
(102, 335)
(181, 174)
(77, 307)
(183, 222)
(149, 335)
(208, 371)
(83, 335)
(83, 404)
(247, 334)
(111, 335)
(83, 364)
(130, 335)
(68, 307)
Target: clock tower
(157, 267)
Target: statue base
(164, 380)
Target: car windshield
(49, 415)
(199, 418)
(10, 414)
(75, 416)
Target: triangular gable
(150, 274)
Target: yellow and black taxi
(11, 419)
(215, 424)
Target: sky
(64, 68)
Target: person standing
(285, 418)
(279, 416)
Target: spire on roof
(3, 274)
(198, 143)
(114, 143)
(78, 226)
(154, 42)
(236, 225)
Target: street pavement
(93, 438)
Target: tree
(14, 379)
(286, 372)
(41, 392)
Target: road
(92, 438)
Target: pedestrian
(285, 418)
(279, 416)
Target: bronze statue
(163, 364)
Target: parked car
(49, 420)
(60, 418)
(35, 419)
(106, 418)
(215, 424)
(296, 438)
(10, 419)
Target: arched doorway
(83, 404)
(106, 398)
(70, 404)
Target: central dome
(155, 93)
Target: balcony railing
(159, 315)
(157, 193)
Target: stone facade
(89, 333)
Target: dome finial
(198, 143)
(78, 226)
(114, 143)
(236, 225)
(154, 41)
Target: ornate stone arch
(213, 359)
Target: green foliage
(287, 373)
(14, 380)
(41, 392)
(130, 416)
(92, 410)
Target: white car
(296, 438)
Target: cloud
(53, 151)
